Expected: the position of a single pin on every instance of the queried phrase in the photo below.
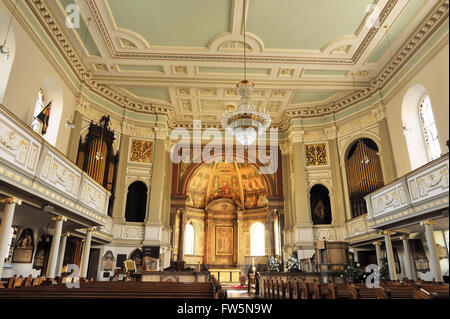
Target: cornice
(433, 21)
(46, 18)
(211, 57)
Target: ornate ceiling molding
(47, 20)
(423, 32)
(272, 56)
(433, 21)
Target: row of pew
(19, 281)
(300, 289)
(112, 290)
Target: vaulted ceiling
(187, 55)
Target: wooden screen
(364, 174)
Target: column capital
(428, 222)
(330, 132)
(65, 235)
(377, 243)
(59, 218)
(161, 132)
(286, 148)
(90, 229)
(404, 237)
(11, 200)
(296, 136)
(387, 232)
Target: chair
(11, 281)
(28, 281)
(130, 268)
(18, 282)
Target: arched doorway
(320, 205)
(136, 202)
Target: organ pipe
(364, 173)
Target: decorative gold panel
(141, 151)
(316, 155)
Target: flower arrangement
(274, 264)
(384, 269)
(353, 272)
(292, 264)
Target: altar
(226, 275)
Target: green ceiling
(191, 23)
(312, 72)
(141, 68)
(402, 21)
(149, 92)
(311, 96)
(233, 71)
(91, 47)
(292, 26)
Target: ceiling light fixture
(246, 122)
(4, 50)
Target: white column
(355, 255)
(62, 251)
(377, 245)
(156, 200)
(431, 243)
(53, 256)
(408, 266)
(5, 227)
(85, 253)
(390, 255)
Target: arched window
(189, 238)
(39, 106)
(257, 240)
(320, 205)
(429, 128)
(136, 202)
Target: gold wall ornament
(11, 200)
(141, 151)
(316, 155)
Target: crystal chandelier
(4, 50)
(246, 122)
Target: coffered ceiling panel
(191, 23)
(398, 26)
(290, 24)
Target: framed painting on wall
(24, 248)
(224, 240)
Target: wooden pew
(438, 291)
(108, 290)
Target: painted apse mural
(222, 200)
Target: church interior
(224, 149)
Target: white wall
(434, 77)
(6, 64)
(28, 73)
